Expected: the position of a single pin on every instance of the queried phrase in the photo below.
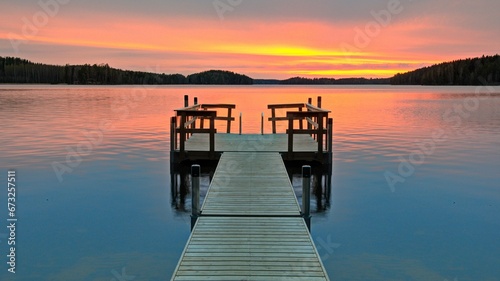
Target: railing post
(182, 132)
(320, 133)
(262, 124)
(273, 117)
(195, 194)
(301, 120)
(290, 135)
(309, 126)
(186, 100)
(306, 195)
(229, 120)
(212, 135)
(240, 122)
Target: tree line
(17, 70)
(473, 71)
(332, 81)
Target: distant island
(323, 81)
(476, 71)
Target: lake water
(416, 180)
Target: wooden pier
(250, 225)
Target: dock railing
(318, 125)
(191, 120)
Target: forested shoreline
(477, 71)
(16, 70)
(474, 71)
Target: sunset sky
(259, 38)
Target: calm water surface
(108, 213)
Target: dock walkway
(250, 226)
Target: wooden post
(290, 136)
(182, 133)
(320, 133)
(186, 100)
(229, 120)
(309, 126)
(240, 122)
(195, 102)
(318, 136)
(330, 134)
(195, 194)
(173, 136)
(262, 124)
(306, 195)
(193, 125)
(273, 116)
(212, 135)
(300, 120)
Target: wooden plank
(250, 278)
(255, 143)
(193, 107)
(316, 109)
(220, 105)
(252, 173)
(289, 105)
(253, 257)
(198, 113)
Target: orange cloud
(259, 49)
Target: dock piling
(330, 135)
(306, 195)
(241, 114)
(195, 193)
(186, 100)
(173, 135)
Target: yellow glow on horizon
(283, 50)
(379, 73)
